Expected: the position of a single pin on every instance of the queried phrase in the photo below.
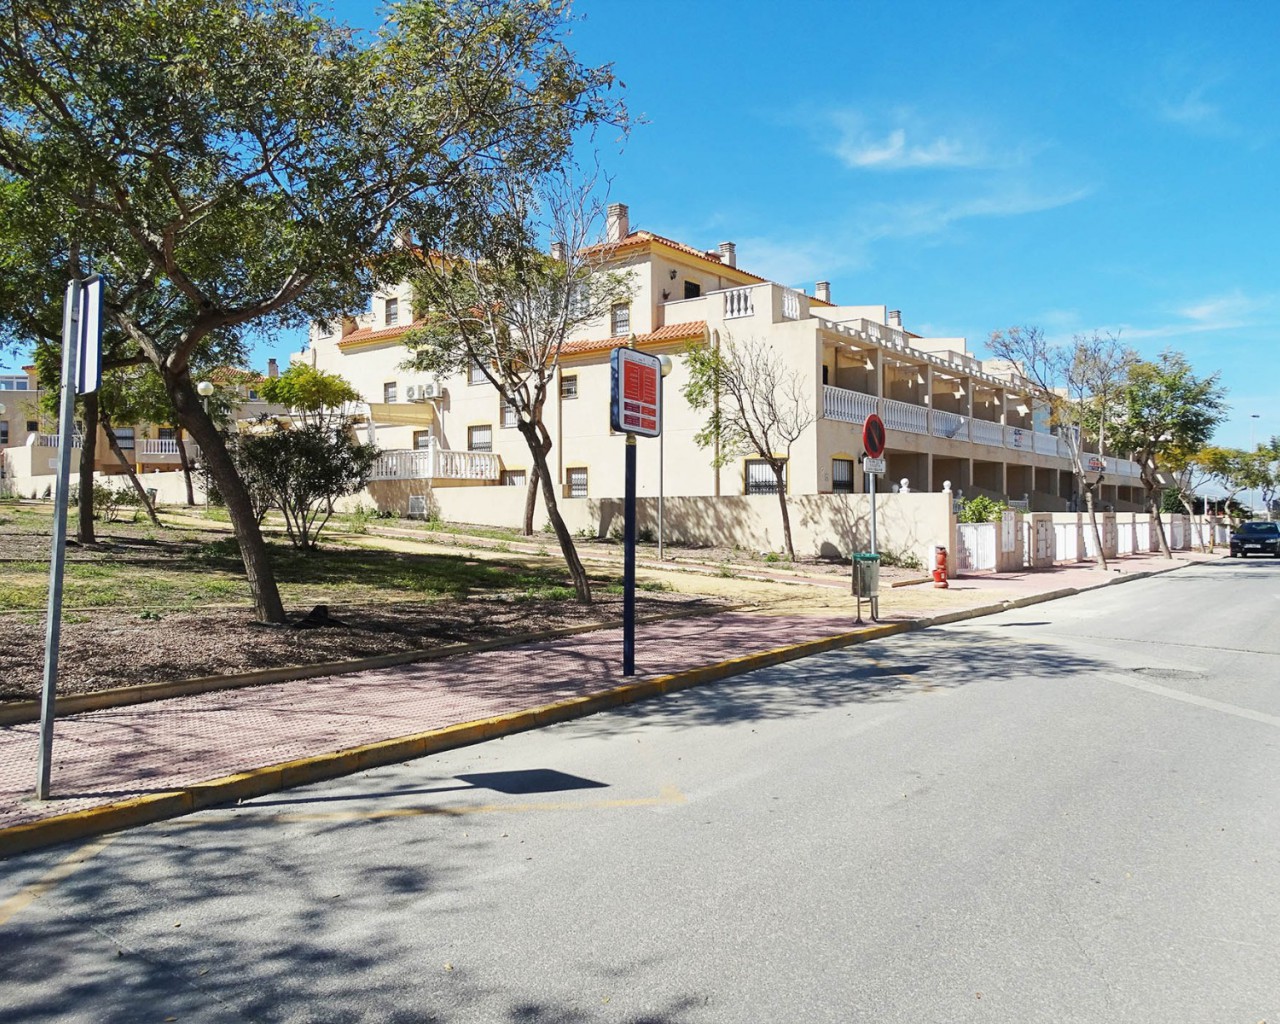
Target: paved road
(1067, 813)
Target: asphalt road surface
(1066, 813)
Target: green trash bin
(866, 574)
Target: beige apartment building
(950, 418)
(29, 438)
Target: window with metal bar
(480, 439)
(842, 476)
(760, 479)
(577, 482)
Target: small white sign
(876, 466)
(89, 375)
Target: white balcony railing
(436, 464)
(854, 407)
(848, 406)
(986, 432)
(468, 465)
(51, 440)
(790, 304)
(408, 464)
(914, 419)
(738, 303)
(950, 425)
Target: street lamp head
(665, 363)
(204, 389)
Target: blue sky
(1075, 166)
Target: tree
(1232, 469)
(312, 396)
(757, 406)
(1268, 456)
(303, 472)
(1165, 415)
(498, 302)
(227, 163)
(1078, 382)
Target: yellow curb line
(147, 809)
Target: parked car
(1256, 538)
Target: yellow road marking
(66, 867)
(668, 795)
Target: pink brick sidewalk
(105, 756)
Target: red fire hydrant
(940, 568)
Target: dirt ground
(103, 649)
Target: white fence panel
(977, 542)
(1066, 539)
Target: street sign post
(873, 438)
(81, 372)
(635, 407)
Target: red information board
(635, 405)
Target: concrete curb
(21, 712)
(151, 808)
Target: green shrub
(980, 510)
(900, 560)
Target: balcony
(855, 406)
(434, 463)
(161, 450)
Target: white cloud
(902, 140)
(934, 217)
(893, 152)
(1230, 310)
(1192, 111)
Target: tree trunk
(123, 459)
(538, 449)
(1153, 506)
(530, 503)
(253, 550)
(88, 456)
(186, 466)
(779, 471)
(1101, 563)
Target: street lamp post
(665, 362)
(1253, 446)
(204, 389)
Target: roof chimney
(729, 254)
(822, 291)
(619, 222)
(557, 251)
(895, 318)
(273, 369)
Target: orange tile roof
(386, 334)
(234, 375)
(669, 332)
(639, 239)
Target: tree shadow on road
(884, 670)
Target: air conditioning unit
(421, 392)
